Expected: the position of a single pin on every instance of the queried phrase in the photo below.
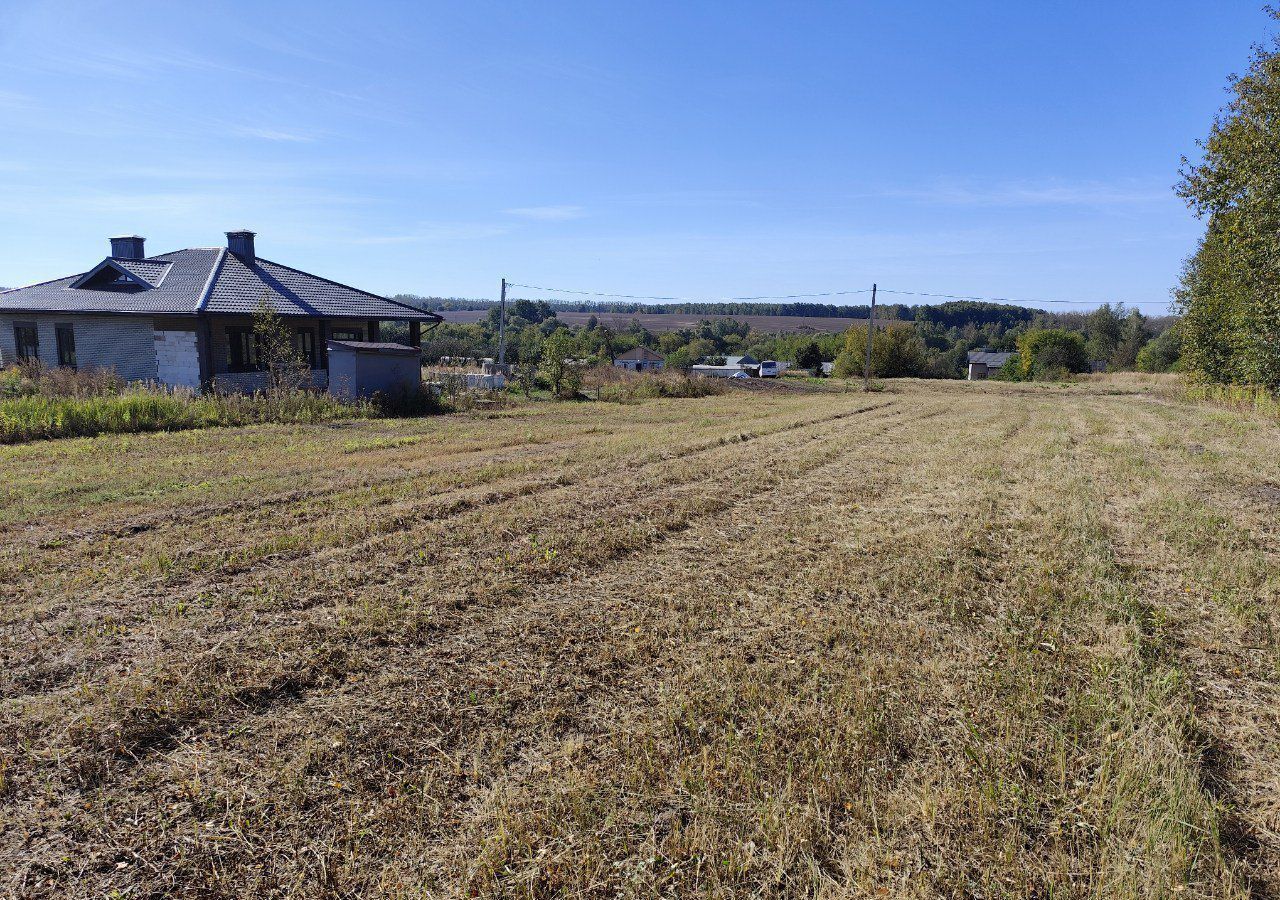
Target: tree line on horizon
(953, 313)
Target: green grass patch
(36, 416)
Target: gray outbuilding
(363, 368)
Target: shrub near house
(1048, 354)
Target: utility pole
(871, 324)
(502, 329)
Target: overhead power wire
(580, 293)
(1011, 300)
(534, 287)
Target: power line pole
(871, 324)
(502, 328)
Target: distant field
(660, 322)
(948, 640)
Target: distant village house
(984, 363)
(640, 359)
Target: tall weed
(1241, 397)
(653, 385)
(40, 404)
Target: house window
(348, 334)
(27, 342)
(304, 344)
(66, 338)
(242, 349)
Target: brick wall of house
(123, 343)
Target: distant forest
(695, 309)
(953, 314)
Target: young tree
(896, 351)
(1230, 290)
(809, 357)
(529, 359)
(285, 366)
(561, 372)
(608, 343)
(1133, 335)
(847, 365)
(1103, 331)
(1048, 354)
(903, 354)
(1162, 353)
(681, 360)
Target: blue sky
(698, 149)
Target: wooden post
(415, 334)
(871, 324)
(502, 327)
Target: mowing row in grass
(942, 640)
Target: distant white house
(746, 366)
(982, 363)
(640, 359)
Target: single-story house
(640, 359)
(744, 361)
(982, 363)
(185, 319)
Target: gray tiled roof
(993, 359)
(374, 347)
(177, 294)
(641, 353)
(215, 281)
(152, 271)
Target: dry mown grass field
(957, 640)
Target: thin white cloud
(434, 232)
(275, 134)
(547, 213)
(695, 198)
(14, 100)
(1025, 193)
